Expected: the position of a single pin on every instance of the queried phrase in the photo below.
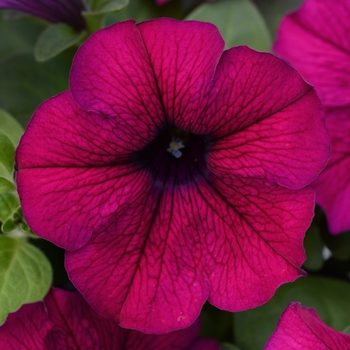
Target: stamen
(174, 147)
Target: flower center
(174, 158)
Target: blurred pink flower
(64, 320)
(174, 173)
(65, 11)
(299, 328)
(316, 41)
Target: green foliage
(274, 10)
(105, 6)
(7, 153)
(18, 36)
(314, 246)
(25, 83)
(25, 275)
(239, 22)
(142, 10)
(97, 9)
(55, 39)
(227, 346)
(329, 297)
(10, 127)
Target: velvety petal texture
(299, 328)
(66, 11)
(64, 320)
(321, 53)
(174, 173)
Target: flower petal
(320, 52)
(152, 280)
(299, 328)
(67, 11)
(248, 86)
(184, 64)
(266, 121)
(277, 147)
(65, 180)
(252, 239)
(332, 187)
(65, 321)
(22, 331)
(112, 75)
(233, 245)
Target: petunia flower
(321, 53)
(64, 320)
(65, 11)
(299, 328)
(174, 173)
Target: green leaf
(10, 127)
(9, 204)
(142, 10)
(105, 6)
(313, 245)
(239, 22)
(274, 10)
(97, 11)
(7, 152)
(25, 83)
(329, 297)
(55, 39)
(6, 185)
(227, 346)
(18, 36)
(8, 226)
(25, 275)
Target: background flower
(66, 11)
(299, 328)
(152, 234)
(66, 321)
(321, 54)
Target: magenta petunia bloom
(299, 328)
(64, 320)
(321, 53)
(66, 11)
(174, 173)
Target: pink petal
(64, 181)
(265, 121)
(332, 187)
(144, 275)
(22, 331)
(76, 324)
(184, 65)
(232, 244)
(112, 75)
(299, 328)
(65, 321)
(320, 52)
